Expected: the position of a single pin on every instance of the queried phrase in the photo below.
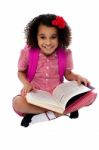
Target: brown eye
(53, 37)
(42, 37)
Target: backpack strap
(32, 61)
(61, 62)
(62, 55)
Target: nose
(48, 42)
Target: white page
(69, 89)
(41, 98)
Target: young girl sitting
(47, 35)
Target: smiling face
(47, 38)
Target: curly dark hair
(31, 29)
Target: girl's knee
(17, 105)
(17, 102)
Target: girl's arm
(22, 77)
(26, 84)
(69, 75)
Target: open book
(59, 98)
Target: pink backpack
(33, 61)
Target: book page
(43, 99)
(67, 90)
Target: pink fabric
(47, 76)
(32, 63)
(62, 55)
(84, 100)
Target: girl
(46, 34)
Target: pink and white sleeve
(23, 59)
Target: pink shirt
(46, 77)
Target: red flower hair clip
(59, 21)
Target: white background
(62, 133)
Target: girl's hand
(81, 79)
(69, 75)
(27, 88)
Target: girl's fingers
(23, 92)
(78, 80)
(81, 80)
